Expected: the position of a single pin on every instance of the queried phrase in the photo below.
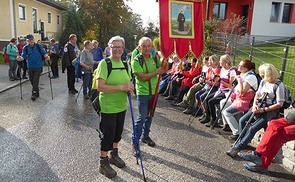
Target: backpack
(258, 77)
(141, 60)
(95, 93)
(39, 50)
(287, 96)
(5, 55)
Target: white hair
(143, 39)
(116, 38)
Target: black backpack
(95, 93)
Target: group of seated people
(239, 99)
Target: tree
(73, 25)
(151, 31)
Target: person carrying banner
(146, 70)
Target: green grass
(1, 59)
(274, 54)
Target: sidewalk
(5, 84)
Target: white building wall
(264, 29)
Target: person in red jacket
(187, 79)
(278, 132)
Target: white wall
(261, 25)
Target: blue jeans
(259, 121)
(87, 83)
(201, 94)
(143, 121)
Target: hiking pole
(50, 79)
(219, 114)
(136, 139)
(20, 83)
(192, 117)
(79, 91)
(261, 102)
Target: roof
(52, 4)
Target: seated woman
(187, 79)
(274, 102)
(242, 96)
(278, 132)
(199, 81)
(170, 73)
(227, 76)
(211, 84)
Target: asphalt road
(56, 140)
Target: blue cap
(30, 36)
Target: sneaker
(105, 168)
(250, 156)
(226, 128)
(115, 159)
(233, 152)
(86, 97)
(205, 120)
(187, 111)
(169, 97)
(72, 92)
(33, 97)
(11, 79)
(148, 141)
(202, 117)
(182, 104)
(255, 168)
(233, 137)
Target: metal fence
(281, 55)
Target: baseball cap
(291, 116)
(30, 36)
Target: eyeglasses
(116, 47)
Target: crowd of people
(212, 88)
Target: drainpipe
(207, 9)
(13, 18)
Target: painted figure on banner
(181, 20)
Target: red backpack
(5, 55)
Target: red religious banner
(181, 27)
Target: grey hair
(116, 38)
(86, 42)
(143, 39)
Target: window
(57, 19)
(49, 17)
(275, 11)
(22, 12)
(286, 13)
(219, 10)
(35, 20)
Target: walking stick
(136, 139)
(192, 117)
(152, 111)
(262, 101)
(79, 91)
(20, 83)
(50, 80)
(219, 114)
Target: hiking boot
(105, 168)
(148, 141)
(86, 97)
(115, 159)
(11, 79)
(33, 97)
(233, 152)
(72, 92)
(188, 111)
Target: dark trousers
(182, 92)
(34, 76)
(54, 64)
(211, 102)
(71, 77)
(21, 66)
(111, 126)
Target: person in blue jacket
(33, 53)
